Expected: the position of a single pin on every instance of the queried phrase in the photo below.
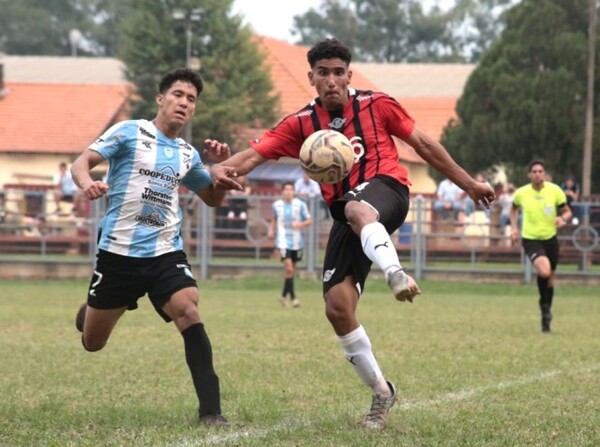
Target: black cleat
(546, 319)
(215, 420)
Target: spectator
(237, 209)
(505, 198)
(450, 199)
(65, 189)
(306, 188)
(572, 191)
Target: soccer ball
(327, 156)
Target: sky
(274, 18)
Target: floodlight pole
(589, 107)
(188, 17)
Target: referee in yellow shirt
(544, 210)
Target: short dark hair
(329, 48)
(180, 74)
(290, 183)
(534, 163)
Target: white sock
(357, 349)
(378, 247)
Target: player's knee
(90, 346)
(544, 272)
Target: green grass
(468, 359)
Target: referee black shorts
(344, 255)
(119, 281)
(534, 248)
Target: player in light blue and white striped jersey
(140, 245)
(290, 217)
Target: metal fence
(219, 243)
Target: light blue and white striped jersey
(285, 214)
(146, 168)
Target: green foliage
(526, 99)
(237, 86)
(32, 27)
(468, 359)
(393, 31)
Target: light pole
(189, 17)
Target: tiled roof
(431, 115)
(418, 80)
(57, 118)
(78, 70)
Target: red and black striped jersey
(369, 120)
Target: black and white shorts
(119, 281)
(294, 255)
(344, 255)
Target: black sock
(542, 284)
(290, 286)
(198, 354)
(286, 288)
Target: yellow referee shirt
(539, 209)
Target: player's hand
(482, 193)
(215, 151)
(95, 190)
(560, 222)
(223, 177)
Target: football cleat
(214, 420)
(403, 286)
(380, 408)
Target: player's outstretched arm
(438, 157)
(224, 174)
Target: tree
(393, 31)
(237, 88)
(526, 99)
(42, 26)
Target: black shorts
(344, 255)
(535, 248)
(119, 281)
(294, 255)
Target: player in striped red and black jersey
(367, 206)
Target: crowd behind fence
(425, 243)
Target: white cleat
(403, 286)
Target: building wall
(421, 181)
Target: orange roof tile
(57, 118)
(431, 115)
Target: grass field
(470, 363)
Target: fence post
(204, 239)
(418, 245)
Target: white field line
(405, 406)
